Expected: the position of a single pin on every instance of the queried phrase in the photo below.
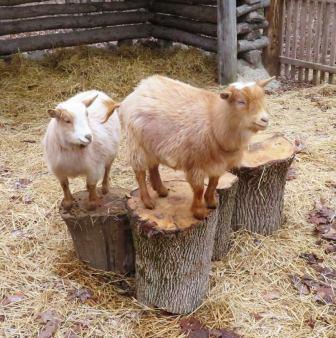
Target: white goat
(78, 144)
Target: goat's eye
(241, 103)
(67, 121)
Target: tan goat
(186, 128)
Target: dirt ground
(251, 291)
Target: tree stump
(173, 250)
(102, 238)
(226, 190)
(262, 179)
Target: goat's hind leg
(105, 183)
(155, 179)
(144, 194)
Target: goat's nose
(88, 137)
(264, 119)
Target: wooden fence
(27, 25)
(308, 40)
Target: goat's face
(73, 123)
(247, 102)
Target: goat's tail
(112, 106)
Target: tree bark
(177, 35)
(173, 250)
(75, 38)
(64, 22)
(262, 179)
(54, 9)
(102, 238)
(226, 191)
(200, 13)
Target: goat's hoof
(200, 213)
(149, 204)
(163, 192)
(211, 204)
(67, 204)
(92, 205)
(105, 189)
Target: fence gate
(308, 40)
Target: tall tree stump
(262, 179)
(226, 190)
(102, 238)
(173, 250)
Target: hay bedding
(42, 285)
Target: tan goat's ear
(225, 95)
(54, 113)
(88, 101)
(263, 83)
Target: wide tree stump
(226, 190)
(262, 178)
(102, 238)
(173, 250)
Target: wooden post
(227, 41)
(102, 238)
(274, 33)
(173, 250)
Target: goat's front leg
(197, 184)
(91, 186)
(144, 194)
(210, 193)
(68, 198)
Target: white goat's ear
(225, 95)
(88, 101)
(54, 113)
(263, 83)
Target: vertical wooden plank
(325, 37)
(296, 18)
(310, 25)
(274, 49)
(289, 31)
(332, 60)
(317, 38)
(283, 32)
(302, 36)
(227, 41)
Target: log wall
(27, 25)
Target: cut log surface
(226, 190)
(173, 250)
(262, 179)
(102, 238)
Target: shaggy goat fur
(78, 144)
(200, 132)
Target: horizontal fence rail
(309, 40)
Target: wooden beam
(227, 41)
(273, 32)
(201, 13)
(74, 38)
(54, 9)
(184, 24)
(308, 64)
(243, 9)
(17, 2)
(177, 35)
(244, 27)
(64, 22)
(245, 45)
(194, 2)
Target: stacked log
(251, 22)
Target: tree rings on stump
(102, 238)
(262, 179)
(173, 250)
(226, 190)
